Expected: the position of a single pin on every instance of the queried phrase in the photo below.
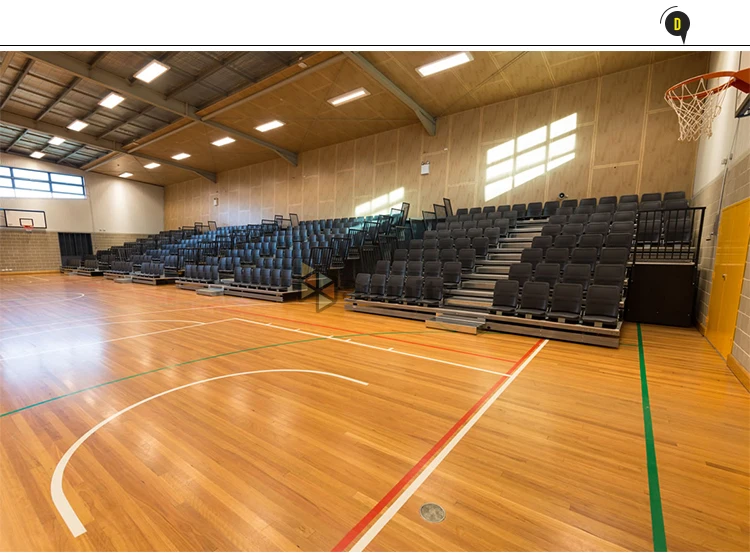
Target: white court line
(388, 514)
(56, 490)
(391, 350)
(109, 340)
(101, 324)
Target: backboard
(16, 218)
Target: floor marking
(95, 342)
(101, 324)
(56, 490)
(205, 358)
(432, 459)
(654, 493)
(414, 343)
(380, 348)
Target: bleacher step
(445, 321)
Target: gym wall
(730, 136)
(114, 211)
(626, 142)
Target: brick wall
(737, 188)
(102, 241)
(28, 252)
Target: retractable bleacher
(587, 247)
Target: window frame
(50, 192)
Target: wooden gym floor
(143, 418)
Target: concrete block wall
(28, 252)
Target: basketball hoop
(697, 104)
(28, 229)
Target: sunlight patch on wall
(381, 204)
(515, 162)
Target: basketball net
(697, 102)
(28, 229)
(696, 105)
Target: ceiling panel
(163, 175)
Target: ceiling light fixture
(151, 71)
(125, 175)
(223, 141)
(112, 101)
(269, 126)
(56, 141)
(152, 165)
(38, 155)
(77, 125)
(445, 63)
(183, 155)
(349, 96)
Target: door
(729, 268)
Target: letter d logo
(677, 24)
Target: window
(30, 183)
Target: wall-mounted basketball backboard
(15, 218)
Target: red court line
(393, 492)
(349, 331)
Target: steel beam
(222, 64)
(71, 154)
(136, 91)
(88, 140)
(16, 140)
(427, 120)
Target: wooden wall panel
(497, 121)
(621, 115)
(433, 186)
(620, 148)
(572, 177)
(673, 71)
(578, 98)
(617, 180)
(463, 150)
(667, 165)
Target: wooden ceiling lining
(163, 175)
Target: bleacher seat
(533, 209)
(432, 269)
(505, 297)
(566, 303)
(394, 288)
(577, 274)
(432, 293)
(377, 286)
(398, 267)
(431, 255)
(601, 228)
(520, 272)
(547, 272)
(542, 242)
(382, 267)
(573, 229)
(559, 255)
(414, 268)
(532, 256)
(628, 198)
(452, 274)
(551, 230)
(550, 207)
(609, 275)
(587, 202)
(674, 195)
(619, 240)
(559, 220)
(584, 255)
(447, 255)
(569, 203)
(614, 255)
(582, 219)
(412, 290)
(649, 197)
(468, 258)
(602, 305)
(534, 300)
(481, 246)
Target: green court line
(654, 494)
(201, 360)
